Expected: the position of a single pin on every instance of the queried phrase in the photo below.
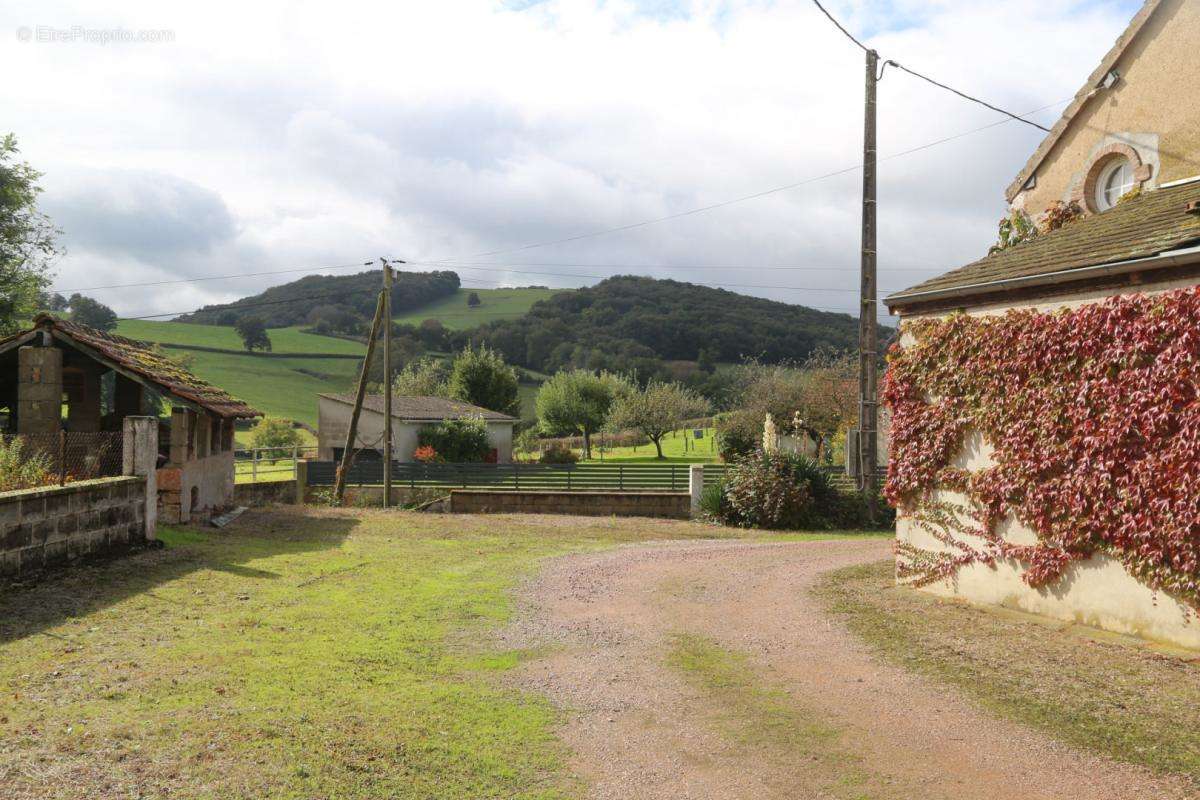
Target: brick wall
(53, 525)
(675, 505)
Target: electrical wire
(916, 74)
(965, 96)
(211, 278)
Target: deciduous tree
(27, 240)
(578, 401)
(656, 410)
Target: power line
(916, 74)
(839, 26)
(964, 95)
(743, 198)
(211, 278)
(697, 283)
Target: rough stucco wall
(334, 424)
(1097, 592)
(1153, 109)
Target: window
(1115, 180)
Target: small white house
(408, 415)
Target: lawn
(283, 340)
(1101, 692)
(280, 387)
(334, 654)
(497, 304)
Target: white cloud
(278, 135)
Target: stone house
(59, 375)
(409, 414)
(1088, 513)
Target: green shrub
(274, 432)
(19, 470)
(739, 435)
(555, 453)
(781, 491)
(458, 441)
(712, 501)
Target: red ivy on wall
(1095, 419)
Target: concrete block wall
(39, 389)
(53, 525)
(674, 505)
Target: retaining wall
(675, 505)
(53, 525)
(264, 493)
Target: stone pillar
(141, 458)
(181, 422)
(301, 480)
(696, 487)
(39, 390)
(127, 397)
(83, 396)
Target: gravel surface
(638, 729)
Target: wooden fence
(519, 477)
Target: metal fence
(262, 464)
(516, 477)
(28, 460)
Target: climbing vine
(1094, 417)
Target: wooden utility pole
(339, 486)
(868, 409)
(387, 383)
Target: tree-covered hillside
(345, 303)
(627, 322)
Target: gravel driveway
(639, 729)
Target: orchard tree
(473, 300)
(274, 432)
(254, 334)
(656, 410)
(480, 377)
(578, 401)
(27, 240)
(92, 313)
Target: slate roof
(1141, 227)
(423, 409)
(139, 358)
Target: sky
(203, 140)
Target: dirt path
(640, 729)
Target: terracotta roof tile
(423, 409)
(139, 358)
(1144, 226)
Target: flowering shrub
(1094, 417)
(426, 455)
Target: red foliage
(426, 455)
(1095, 419)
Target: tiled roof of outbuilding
(138, 358)
(1141, 227)
(423, 409)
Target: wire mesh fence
(29, 460)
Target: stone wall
(264, 493)
(53, 525)
(675, 505)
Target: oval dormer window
(1115, 181)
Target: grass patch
(496, 304)
(1100, 693)
(767, 721)
(283, 340)
(335, 653)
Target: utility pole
(868, 408)
(339, 486)
(387, 383)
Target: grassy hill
(497, 304)
(283, 340)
